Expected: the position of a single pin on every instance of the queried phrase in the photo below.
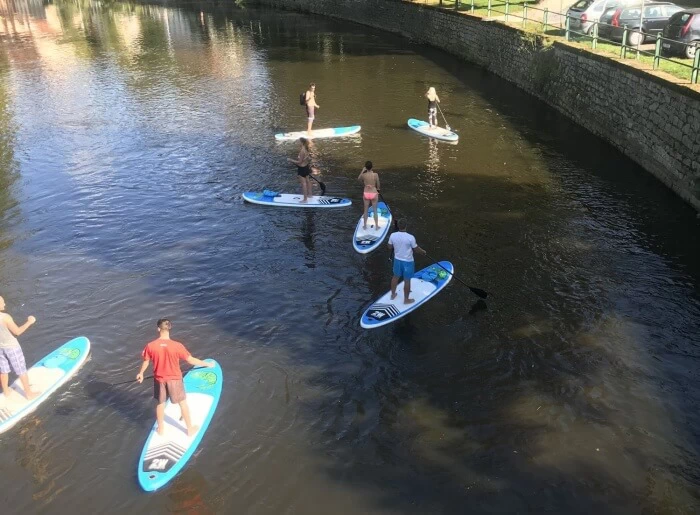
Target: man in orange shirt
(167, 376)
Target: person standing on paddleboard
(311, 106)
(167, 376)
(11, 355)
(433, 101)
(370, 179)
(403, 244)
(303, 162)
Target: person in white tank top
(11, 355)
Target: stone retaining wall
(654, 122)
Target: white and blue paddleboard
(45, 377)
(366, 240)
(271, 198)
(425, 284)
(435, 132)
(336, 132)
(164, 456)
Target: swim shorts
(12, 359)
(403, 268)
(173, 390)
(303, 171)
(310, 112)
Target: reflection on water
(128, 131)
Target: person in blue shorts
(403, 244)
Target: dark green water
(128, 133)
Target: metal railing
(656, 56)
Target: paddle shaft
(476, 291)
(447, 125)
(323, 186)
(396, 223)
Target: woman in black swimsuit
(303, 162)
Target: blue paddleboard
(425, 284)
(435, 132)
(336, 132)
(271, 198)
(367, 240)
(45, 377)
(164, 456)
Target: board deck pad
(367, 240)
(294, 200)
(335, 132)
(45, 377)
(437, 132)
(425, 284)
(164, 456)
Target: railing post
(657, 52)
(544, 19)
(507, 6)
(595, 34)
(696, 66)
(524, 14)
(488, 9)
(472, 9)
(567, 34)
(623, 47)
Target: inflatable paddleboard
(164, 456)
(271, 198)
(366, 240)
(336, 132)
(437, 132)
(45, 377)
(425, 284)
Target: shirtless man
(311, 106)
(167, 376)
(11, 355)
(370, 179)
(403, 245)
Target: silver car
(584, 12)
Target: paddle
(476, 291)
(99, 386)
(320, 183)
(447, 125)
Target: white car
(584, 12)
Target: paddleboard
(45, 377)
(336, 132)
(164, 456)
(425, 284)
(366, 240)
(267, 198)
(437, 132)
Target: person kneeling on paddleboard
(11, 355)
(403, 244)
(433, 101)
(370, 179)
(167, 376)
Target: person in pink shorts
(370, 195)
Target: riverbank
(654, 122)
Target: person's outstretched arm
(198, 362)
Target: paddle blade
(479, 292)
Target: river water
(128, 133)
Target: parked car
(640, 27)
(684, 29)
(584, 12)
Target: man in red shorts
(167, 376)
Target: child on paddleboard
(433, 101)
(370, 194)
(303, 162)
(11, 355)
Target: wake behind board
(45, 377)
(425, 284)
(335, 132)
(436, 132)
(366, 240)
(271, 198)
(164, 456)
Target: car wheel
(690, 50)
(635, 38)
